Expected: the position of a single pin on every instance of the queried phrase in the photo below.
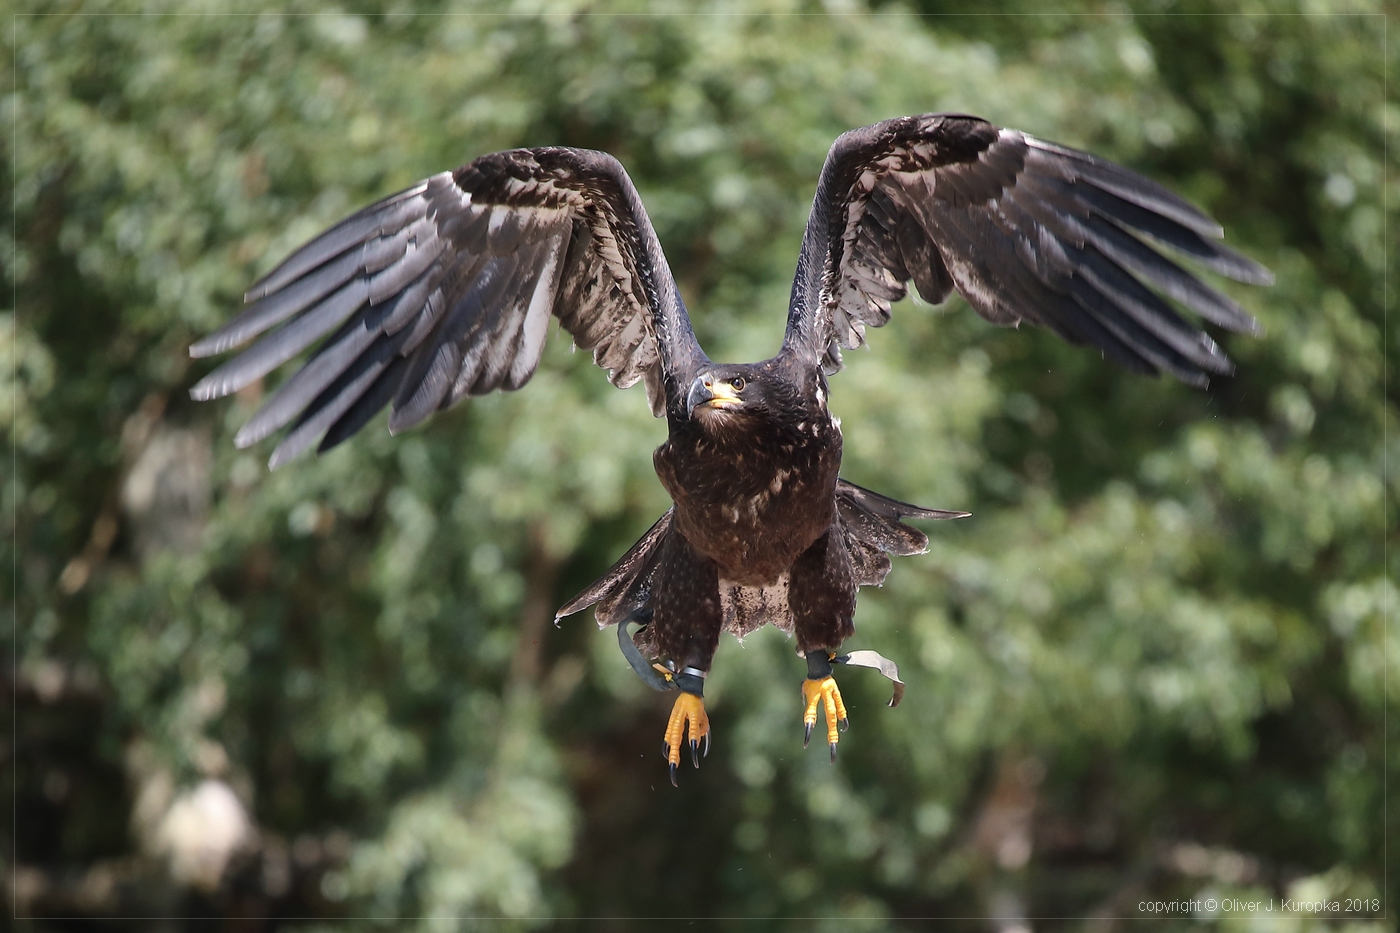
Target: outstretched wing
(446, 290)
(1024, 230)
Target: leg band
(689, 682)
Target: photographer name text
(1237, 905)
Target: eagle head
(754, 397)
(721, 396)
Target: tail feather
(869, 564)
(873, 530)
(870, 526)
(884, 506)
(626, 587)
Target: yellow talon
(823, 691)
(689, 711)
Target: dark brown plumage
(445, 290)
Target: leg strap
(819, 664)
(877, 661)
(689, 680)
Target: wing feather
(535, 326)
(446, 290)
(333, 402)
(330, 360)
(279, 347)
(1024, 230)
(1073, 164)
(386, 217)
(272, 310)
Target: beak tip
(698, 395)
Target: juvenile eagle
(446, 289)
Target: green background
(1151, 666)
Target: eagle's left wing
(1023, 229)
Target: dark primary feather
(446, 290)
(1024, 230)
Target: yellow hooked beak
(707, 392)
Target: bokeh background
(1151, 666)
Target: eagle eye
(738, 383)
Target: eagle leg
(688, 714)
(820, 689)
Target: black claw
(694, 754)
(672, 766)
(806, 735)
(707, 745)
(833, 753)
(665, 749)
(843, 724)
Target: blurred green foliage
(1151, 666)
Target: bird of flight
(445, 290)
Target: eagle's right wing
(446, 290)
